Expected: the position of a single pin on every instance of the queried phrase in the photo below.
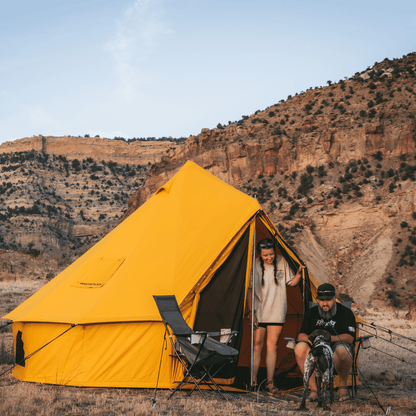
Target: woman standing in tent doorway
(272, 274)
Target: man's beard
(327, 315)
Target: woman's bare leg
(259, 334)
(273, 335)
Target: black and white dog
(321, 360)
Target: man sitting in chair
(339, 321)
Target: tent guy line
(35, 352)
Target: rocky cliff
(120, 151)
(54, 209)
(334, 167)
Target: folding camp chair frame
(190, 366)
(201, 365)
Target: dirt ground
(387, 374)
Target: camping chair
(201, 356)
(362, 342)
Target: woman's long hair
(274, 270)
(267, 243)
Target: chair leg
(188, 374)
(217, 387)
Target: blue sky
(154, 68)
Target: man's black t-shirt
(342, 323)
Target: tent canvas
(194, 239)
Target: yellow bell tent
(96, 323)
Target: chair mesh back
(170, 313)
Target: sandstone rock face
(135, 153)
(334, 168)
(358, 138)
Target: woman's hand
(255, 321)
(297, 277)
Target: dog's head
(320, 335)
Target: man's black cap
(325, 292)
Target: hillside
(335, 169)
(333, 166)
(53, 209)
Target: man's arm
(347, 329)
(347, 338)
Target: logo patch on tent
(97, 273)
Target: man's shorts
(341, 344)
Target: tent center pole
(253, 267)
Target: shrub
(346, 188)
(379, 97)
(378, 156)
(76, 165)
(321, 171)
(372, 113)
(306, 183)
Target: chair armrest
(364, 341)
(218, 334)
(291, 343)
(360, 339)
